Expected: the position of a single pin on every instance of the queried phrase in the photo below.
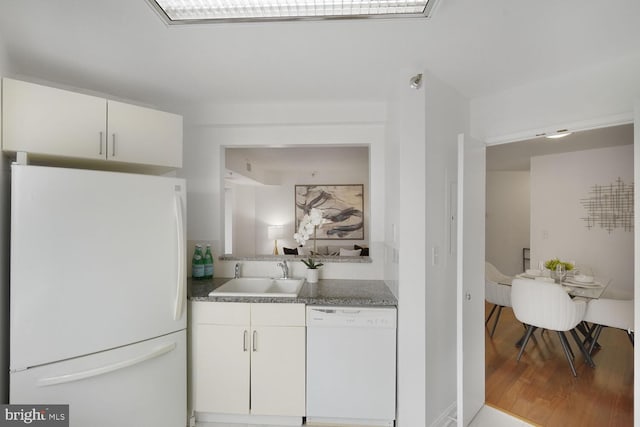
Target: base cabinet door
(221, 369)
(278, 370)
(248, 359)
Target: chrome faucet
(236, 271)
(285, 269)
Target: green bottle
(197, 264)
(208, 263)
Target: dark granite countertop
(342, 292)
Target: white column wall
(447, 115)
(421, 169)
(406, 246)
(394, 135)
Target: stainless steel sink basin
(259, 287)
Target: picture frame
(342, 205)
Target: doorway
(531, 389)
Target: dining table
(588, 287)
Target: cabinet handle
(255, 340)
(100, 144)
(244, 340)
(113, 146)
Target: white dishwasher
(351, 365)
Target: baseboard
(511, 414)
(207, 417)
(347, 422)
(447, 418)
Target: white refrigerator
(98, 297)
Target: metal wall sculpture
(609, 206)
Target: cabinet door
(278, 370)
(221, 368)
(142, 135)
(44, 120)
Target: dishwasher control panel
(383, 317)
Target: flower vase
(312, 275)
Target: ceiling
(317, 161)
(516, 156)
(301, 158)
(503, 157)
(122, 48)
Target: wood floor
(541, 389)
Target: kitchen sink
(259, 287)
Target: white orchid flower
(308, 225)
(316, 217)
(308, 229)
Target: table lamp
(275, 232)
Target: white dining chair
(545, 305)
(607, 312)
(497, 291)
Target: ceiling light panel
(198, 11)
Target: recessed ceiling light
(205, 11)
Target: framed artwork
(341, 205)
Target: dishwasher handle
(356, 317)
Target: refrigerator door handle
(62, 379)
(177, 314)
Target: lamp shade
(275, 232)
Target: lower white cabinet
(221, 369)
(248, 359)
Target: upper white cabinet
(142, 135)
(42, 120)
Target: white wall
(211, 127)
(447, 115)
(5, 182)
(244, 220)
(507, 220)
(591, 97)
(558, 183)
(421, 168)
(406, 246)
(394, 135)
